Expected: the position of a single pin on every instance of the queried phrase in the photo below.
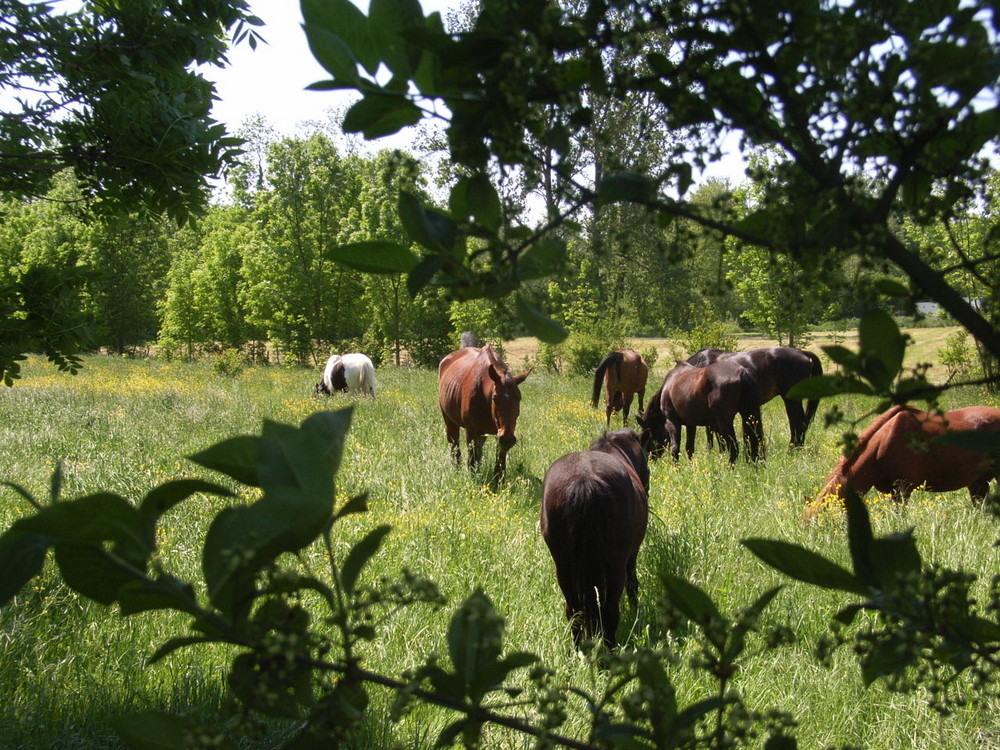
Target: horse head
(652, 430)
(505, 401)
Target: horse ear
(495, 376)
(522, 377)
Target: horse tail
(614, 358)
(366, 379)
(813, 403)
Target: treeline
(255, 274)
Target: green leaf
(330, 428)
(475, 636)
(542, 258)
(335, 56)
(357, 504)
(166, 592)
(375, 256)
(626, 187)
(175, 644)
(475, 197)
(382, 114)
(842, 356)
(161, 499)
(359, 556)
(537, 323)
(154, 730)
(893, 556)
(388, 22)
(326, 20)
(692, 602)
(891, 288)
(423, 272)
(882, 348)
(824, 386)
(889, 656)
(804, 565)
(235, 457)
(21, 558)
(90, 570)
(859, 536)
(427, 227)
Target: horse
(710, 397)
(624, 375)
(593, 520)
(468, 339)
(351, 373)
(477, 392)
(899, 452)
(777, 368)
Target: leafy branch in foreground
(299, 636)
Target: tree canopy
(111, 92)
(873, 109)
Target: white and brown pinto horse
(477, 392)
(350, 373)
(594, 516)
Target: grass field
(70, 666)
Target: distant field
(924, 347)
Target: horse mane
(847, 460)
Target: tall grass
(68, 667)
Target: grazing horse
(898, 452)
(476, 391)
(350, 373)
(710, 397)
(624, 375)
(594, 516)
(777, 368)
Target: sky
(272, 79)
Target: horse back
(465, 390)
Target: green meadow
(68, 666)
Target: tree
(875, 112)
(112, 93)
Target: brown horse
(898, 452)
(594, 516)
(777, 368)
(476, 391)
(710, 397)
(624, 375)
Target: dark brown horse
(898, 452)
(477, 392)
(777, 369)
(624, 375)
(710, 397)
(594, 516)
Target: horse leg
(451, 430)
(692, 433)
(674, 433)
(609, 607)
(474, 444)
(728, 435)
(796, 421)
(501, 465)
(632, 582)
(753, 436)
(626, 407)
(979, 489)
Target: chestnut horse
(594, 516)
(899, 452)
(710, 397)
(777, 368)
(624, 375)
(476, 391)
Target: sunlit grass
(125, 426)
